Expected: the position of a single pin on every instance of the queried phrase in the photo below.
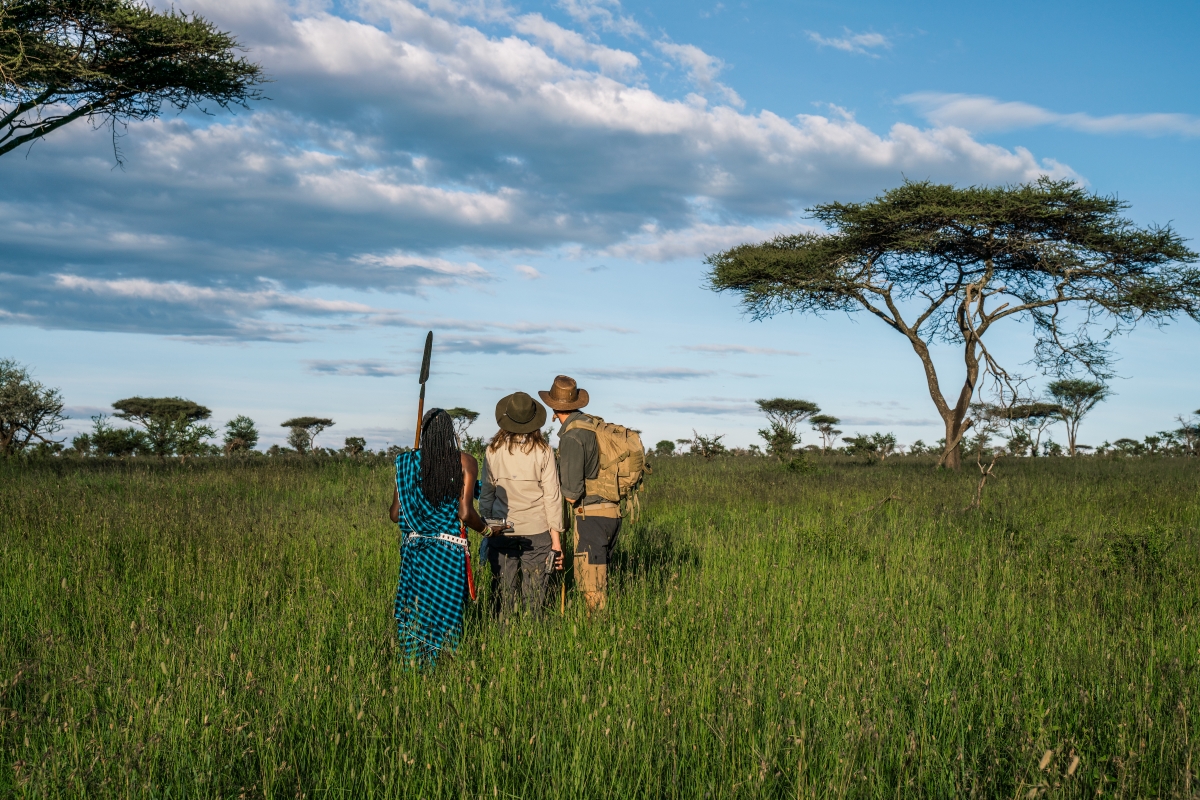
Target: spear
(424, 377)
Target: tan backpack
(622, 463)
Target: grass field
(219, 630)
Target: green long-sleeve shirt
(578, 461)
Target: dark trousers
(519, 579)
(595, 538)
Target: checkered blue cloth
(433, 573)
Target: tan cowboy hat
(520, 413)
(565, 395)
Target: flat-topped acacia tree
(1075, 398)
(111, 61)
(937, 263)
(304, 432)
(172, 424)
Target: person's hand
(556, 545)
(495, 529)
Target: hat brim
(579, 402)
(512, 426)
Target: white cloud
(981, 113)
(861, 43)
(605, 14)
(176, 292)
(702, 68)
(527, 272)
(741, 349)
(572, 46)
(645, 374)
(398, 140)
(432, 270)
(652, 243)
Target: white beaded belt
(461, 541)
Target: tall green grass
(217, 630)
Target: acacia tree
(1027, 420)
(826, 426)
(1075, 398)
(937, 263)
(241, 434)
(28, 410)
(172, 424)
(111, 61)
(304, 431)
(1188, 433)
(463, 418)
(783, 415)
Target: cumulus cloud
(702, 69)
(861, 43)
(981, 113)
(572, 46)
(399, 143)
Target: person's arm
(395, 512)
(571, 467)
(487, 495)
(466, 503)
(552, 502)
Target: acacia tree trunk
(1072, 430)
(954, 418)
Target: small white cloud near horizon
(645, 375)
(979, 113)
(729, 349)
(527, 272)
(860, 43)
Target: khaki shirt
(522, 488)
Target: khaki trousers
(595, 538)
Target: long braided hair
(441, 464)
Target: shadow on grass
(651, 552)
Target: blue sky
(539, 182)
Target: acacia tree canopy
(172, 423)
(937, 263)
(28, 410)
(783, 414)
(1075, 398)
(463, 419)
(111, 60)
(305, 430)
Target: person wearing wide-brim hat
(597, 520)
(522, 503)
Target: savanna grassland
(224, 630)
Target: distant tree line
(1067, 401)
(31, 414)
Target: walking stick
(424, 377)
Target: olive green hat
(520, 413)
